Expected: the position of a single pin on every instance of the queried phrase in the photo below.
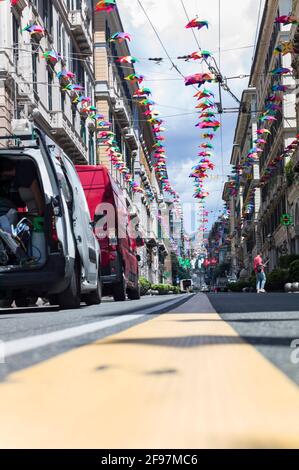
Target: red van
(109, 213)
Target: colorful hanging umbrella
(287, 19)
(127, 60)
(34, 29)
(204, 94)
(135, 78)
(199, 78)
(263, 131)
(65, 74)
(284, 48)
(267, 118)
(280, 71)
(278, 87)
(200, 55)
(196, 23)
(208, 136)
(142, 92)
(120, 37)
(106, 5)
(51, 56)
(206, 146)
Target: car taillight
(54, 235)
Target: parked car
(186, 285)
(61, 260)
(204, 289)
(108, 210)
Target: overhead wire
(213, 69)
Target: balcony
(121, 112)
(163, 249)
(19, 7)
(67, 138)
(248, 227)
(131, 138)
(80, 31)
(151, 239)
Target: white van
(60, 258)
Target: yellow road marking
(177, 381)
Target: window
(58, 34)
(83, 131)
(62, 100)
(45, 10)
(34, 68)
(77, 67)
(74, 115)
(159, 224)
(91, 149)
(15, 36)
(50, 90)
(128, 158)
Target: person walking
(259, 269)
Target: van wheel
(6, 303)
(134, 294)
(119, 290)
(23, 302)
(71, 297)
(95, 297)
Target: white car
(64, 265)
(204, 289)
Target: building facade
(30, 86)
(114, 98)
(242, 192)
(276, 239)
(264, 186)
(59, 69)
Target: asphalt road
(211, 370)
(269, 322)
(31, 335)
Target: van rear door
(83, 229)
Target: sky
(238, 28)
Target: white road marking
(33, 342)
(30, 343)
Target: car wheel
(134, 294)
(119, 290)
(71, 297)
(95, 297)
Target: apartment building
(59, 69)
(242, 193)
(114, 98)
(43, 43)
(275, 237)
(293, 196)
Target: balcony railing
(80, 31)
(122, 113)
(131, 138)
(66, 136)
(19, 7)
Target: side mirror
(138, 257)
(139, 242)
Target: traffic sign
(286, 220)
